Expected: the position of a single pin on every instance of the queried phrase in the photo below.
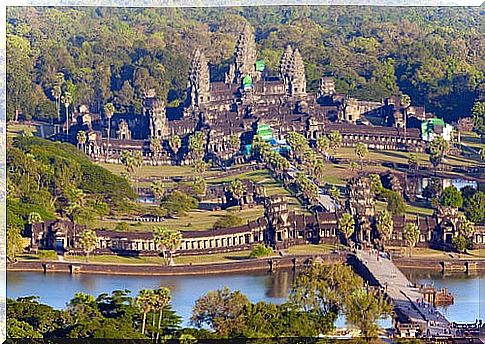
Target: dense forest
(115, 54)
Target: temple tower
(297, 75)
(360, 203)
(154, 110)
(285, 65)
(199, 80)
(327, 87)
(279, 226)
(245, 54)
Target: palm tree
(161, 237)
(237, 189)
(175, 143)
(319, 171)
(161, 300)
(66, 99)
(323, 144)
(413, 162)
(200, 167)
(482, 153)
(88, 241)
(335, 193)
(81, 138)
(145, 300)
(34, 217)
(411, 235)
(438, 149)
(155, 147)
(234, 142)
(157, 189)
(56, 93)
(361, 151)
(353, 166)
(385, 225)
(335, 141)
(346, 225)
(173, 243)
(199, 186)
(109, 110)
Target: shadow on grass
(237, 257)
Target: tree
(319, 171)
(482, 153)
(14, 242)
(237, 189)
(131, 160)
(88, 241)
(228, 221)
(346, 225)
(323, 144)
(451, 197)
(109, 110)
(395, 203)
(178, 203)
(81, 139)
(353, 166)
(322, 289)
(162, 299)
(145, 301)
(475, 208)
(199, 185)
(200, 167)
(161, 237)
(56, 93)
(335, 141)
(361, 152)
(478, 116)
(364, 308)
(385, 225)
(335, 193)
(34, 217)
(155, 147)
(221, 310)
(411, 235)
(157, 189)
(175, 143)
(66, 99)
(261, 250)
(234, 142)
(438, 149)
(413, 162)
(173, 243)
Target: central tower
(245, 55)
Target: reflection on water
(56, 289)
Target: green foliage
(14, 242)
(346, 224)
(451, 197)
(364, 308)
(385, 225)
(114, 56)
(261, 250)
(478, 115)
(411, 234)
(221, 310)
(228, 221)
(178, 203)
(395, 203)
(88, 241)
(475, 208)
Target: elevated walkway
(408, 301)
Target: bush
(228, 221)
(47, 254)
(177, 203)
(261, 250)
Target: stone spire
(245, 54)
(327, 87)
(199, 80)
(154, 109)
(297, 74)
(285, 64)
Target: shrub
(261, 250)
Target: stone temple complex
(249, 97)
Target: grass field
(422, 252)
(17, 129)
(199, 259)
(195, 220)
(153, 171)
(309, 249)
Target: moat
(58, 288)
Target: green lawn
(301, 250)
(17, 129)
(198, 259)
(195, 220)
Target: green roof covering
(265, 132)
(247, 81)
(260, 65)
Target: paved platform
(407, 299)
